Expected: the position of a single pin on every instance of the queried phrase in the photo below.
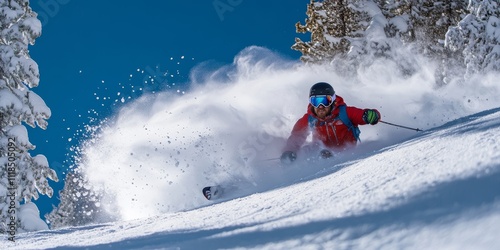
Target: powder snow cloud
(157, 152)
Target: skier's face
(322, 111)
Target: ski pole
(392, 124)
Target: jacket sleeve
(299, 135)
(355, 115)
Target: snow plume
(156, 153)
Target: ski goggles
(325, 100)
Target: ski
(212, 192)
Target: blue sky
(91, 50)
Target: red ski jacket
(330, 131)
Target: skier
(333, 124)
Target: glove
(371, 116)
(288, 157)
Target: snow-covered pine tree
(79, 205)
(352, 30)
(353, 33)
(477, 37)
(327, 25)
(453, 12)
(424, 16)
(397, 13)
(427, 21)
(22, 176)
(356, 22)
(430, 21)
(312, 26)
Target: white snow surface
(399, 189)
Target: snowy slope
(438, 190)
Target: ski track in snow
(438, 190)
